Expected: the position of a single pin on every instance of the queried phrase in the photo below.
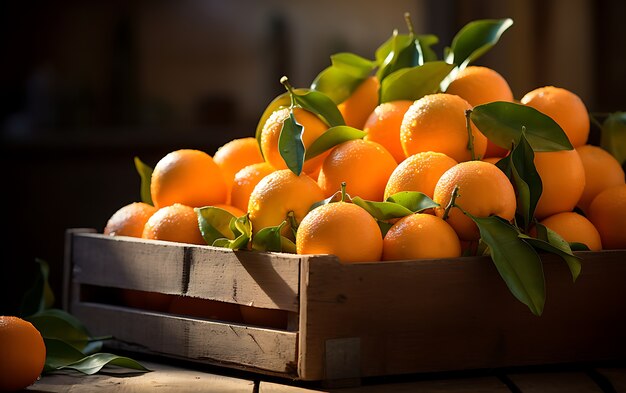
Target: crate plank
(555, 382)
(616, 376)
(194, 339)
(440, 315)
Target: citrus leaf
(382, 211)
(398, 52)
(336, 84)
(93, 363)
(575, 246)
(278, 103)
(426, 43)
(320, 104)
(40, 295)
(145, 173)
(517, 262)
(415, 82)
(550, 241)
(290, 144)
(475, 39)
(59, 354)
(287, 245)
(613, 136)
(269, 239)
(336, 197)
(57, 324)
(353, 64)
(502, 123)
(214, 223)
(331, 138)
(384, 227)
(413, 200)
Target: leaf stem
(343, 191)
(470, 136)
(409, 23)
(451, 203)
(285, 82)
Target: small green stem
(291, 218)
(470, 136)
(409, 23)
(451, 203)
(285, 82)
(343, 191)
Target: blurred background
(87, 85)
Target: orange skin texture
(573, 227)
(342, 229)
(437, 122)
(602, 171)
(279, 193)
(420, 172)
(564, 107)
(563, 178)
(129, 220)
(420, 236)
(175, 223)
(189, 177)
(358, 107)
(364, 166)
(383, 126)
(23, 354)
(313, 128)
(235, 155)
(484, 190)
(245, 181)
(608, 214)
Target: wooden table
(190, 378)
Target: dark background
(87, 85)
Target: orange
(383, 126)
(245, 181)
(608, 214)
(265, 317)
(235, 211)
(205, 308)
(563, 178)
(484, 190)
(313, 127)
(357, 108)
(364, 166)
(22, 354)
(602, 171)
(574, 228)
(175, 223)
(420, 172)
(342, 229)
(152, 301)
(492, 160)
(129, 220)
(279, 194)
(565, 108)
(418, 236)
(481, 85)
(190, 177)
(235, 155)
(436, 122)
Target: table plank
(555, 382)
(616, 376)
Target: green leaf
(517, 262)
(336, 197)
(575, 246)
(290, 144)
(345, 74)
(426, 43)
(278, 103)
(382, 211)
(613, 136)
(40, 295)
(384, 227)
(550, 241)
(145, 173)
(269, 239)
(353, 64)
(398, 52)
(502, 123)
(220, 228)
(94, 363)
(320, 104)
(60, 354)
(57, 324)
(331, 138)
(413, 200)
(475, 39)
(415, 82)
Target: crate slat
(555, 382)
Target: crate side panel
(123, 262)
(249, 278)
(421, 316)
(193, 339)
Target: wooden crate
(348, 321)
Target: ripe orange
(342, 229)
(175, 223)
(563, 177)
(364, 166)
(383, 126)
(313, 128)
(564, 107)
(279, 194)
(573, 227)
(357, 108)
(22, 354)
(602, 171)
(235, 155)
(129, 220)
(245, 181)
(608, 214)
(484, 190)
(205, 308)
(492, 160)
(418, 236)
(190, 177)
(420, 172)
(437, 122)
